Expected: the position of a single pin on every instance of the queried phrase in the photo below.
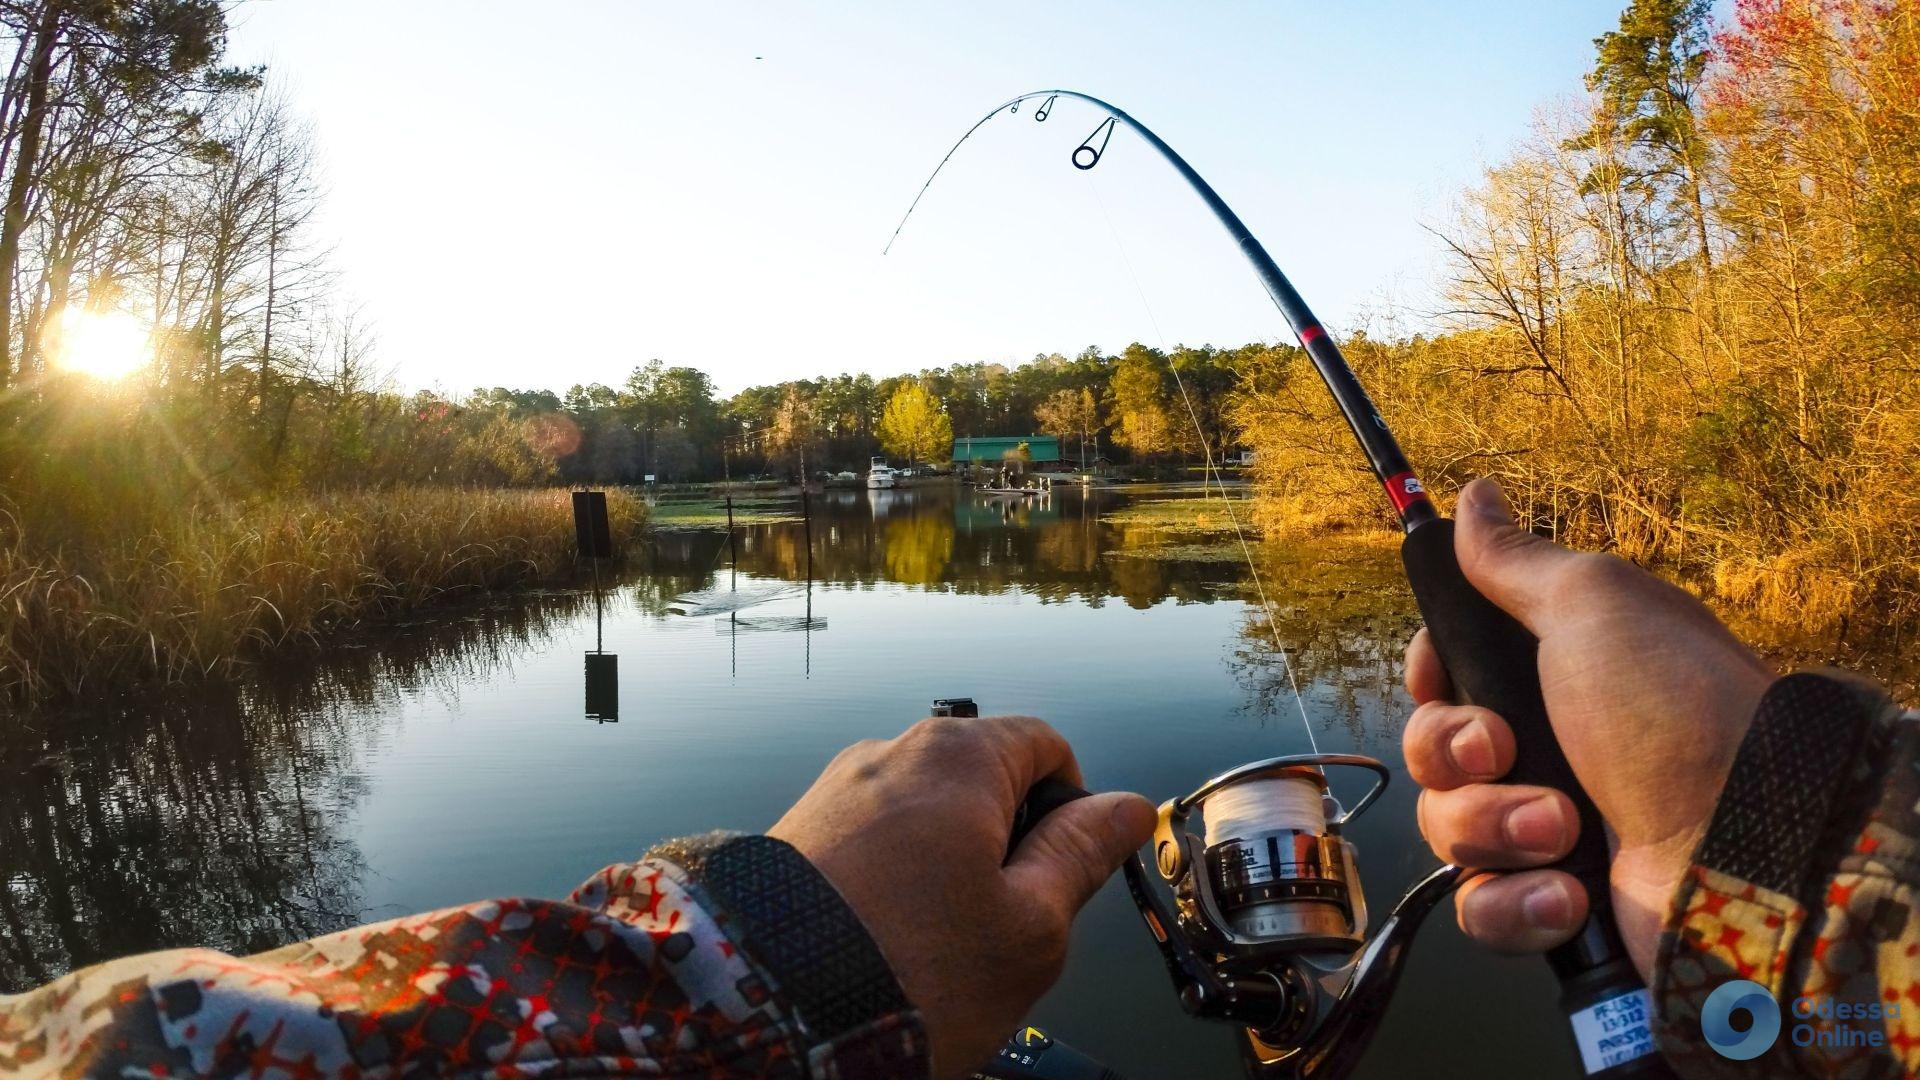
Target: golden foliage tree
(915, 425)
(1684, 319)
(1071, 414)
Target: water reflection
(450, 759)
(1058, 548)
(216, 820)
(602, 668)
(1342, 623)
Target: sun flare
(102, 344)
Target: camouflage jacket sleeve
(1808, 884)
(721, 956)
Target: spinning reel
(1268, 925)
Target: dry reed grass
(197, 592)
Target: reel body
(1268, 928)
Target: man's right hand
(1649, 696)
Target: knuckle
(1450, 832)
(1593, 573)
(857, 755)
(938, 730)
(1047, 930)
(937, 733)
(1474, 913)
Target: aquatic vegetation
(199, 591)
(1187, 514)
(712, 513)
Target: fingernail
(1534, 827)
(1471, 749)
(1547, 906)
(1484, 499)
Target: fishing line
(1206, 451)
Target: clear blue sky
(543, 194)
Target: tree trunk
(273, 264)
(32, 123)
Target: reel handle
(1492, 661)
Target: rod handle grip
(1493, 662)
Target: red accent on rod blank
(1405, 489)
(1311, 333)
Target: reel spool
(1274, 873)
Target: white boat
(880, 474)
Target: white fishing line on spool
(1257, 806)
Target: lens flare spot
(100, 344)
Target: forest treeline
(668, 421)
(1682, 320)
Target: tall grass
(199, 591)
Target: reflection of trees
(675, 561)
(1344, 616)
(919, 548)
(218, 820)
(1058, 548)
(207, 828)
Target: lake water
(453, 759)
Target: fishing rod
(1268, 927)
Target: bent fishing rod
(1268, 927)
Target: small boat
(880, 474)
(1010, 491)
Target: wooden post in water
(733, 556)
(806, 520)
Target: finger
(1520, 572)
(1498, 826)
(1450, 746)
(1029, 750)
(1064, 860)
(1526, 912)
(1426, 677)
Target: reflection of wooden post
(733, 556)
(806, 520)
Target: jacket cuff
(792, 924)
(1799, 793)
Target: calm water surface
(453, 759)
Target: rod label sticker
(1613, 1031)
(1405, 489)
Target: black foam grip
(1493, 661)
(1042, 799)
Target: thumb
(1073, 850)
(1518, 571)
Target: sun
(102, 344)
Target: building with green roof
(994, 449)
